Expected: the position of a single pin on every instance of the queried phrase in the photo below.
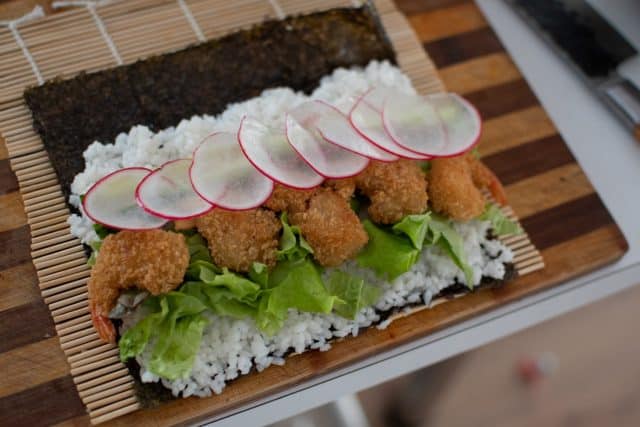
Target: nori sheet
(202, 79)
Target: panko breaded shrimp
(237, 239)
(455, 183)
(331, 227)
(154, 260)
(452, 191)
(288, 199)
(344, 187)
(483, 177)
(291, 200)
(395, 189)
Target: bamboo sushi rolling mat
(53, 368)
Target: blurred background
(580, 369)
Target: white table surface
(611, 159)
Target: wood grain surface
(558, 207)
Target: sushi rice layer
(232, 347)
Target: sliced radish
(413, 123)
(366, 118)
(167, 192)
(336, 128)
(327, 159)
(221, 174)
(268, 150)
(346, 104)
(462, 123)
(112, 202)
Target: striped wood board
(545, 185)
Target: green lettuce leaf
(166, 312)
(241, 287)
(352, 292)
(500, 224)
(292, 245)
(103, 231)
(199, 268)
(394, 252)
(441, 233)
(425, 166)
(177, 346)
(95, 248)
(135, 339)
(225, 293)
(269, 319)
(259, 273)
(221, 300)
(415, 227)
(177, 329)
(292, 284)
(298, 284)
(198, 250)
(386, 253)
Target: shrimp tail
(103, 325)
(483, 177)
(495, 188)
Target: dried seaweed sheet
(202, 79)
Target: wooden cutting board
(547, 188)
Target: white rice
(232, 347)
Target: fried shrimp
(455, 183)
(288, 199)
(325, 218)
(291, 200)
(344, 187)
(154, 260)
(331, 227)
(452, 191)
(237, 239)
(483, 177)
(395, 190)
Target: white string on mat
(277, 9)
(91, 7)
(36, 13)
(192, 20)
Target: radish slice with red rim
(414, 124)
(336, 128)
(112, 202)
(270, 152)
(327, 159)
(366, 118)
(167, 192)
(221, 174)
(462, 123)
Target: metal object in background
(609, 64)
